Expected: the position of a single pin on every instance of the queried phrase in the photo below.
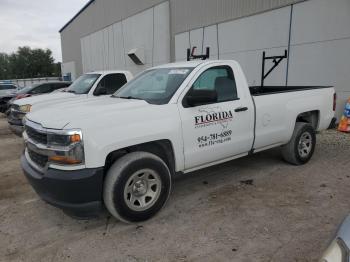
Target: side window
(220, 79)
(59, 86)
(44, 88)
(7, 87)
(111, 83)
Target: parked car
(121, 151)
(90, 85)
(34, 90)
(7, 91)
(7, 88)
(339, 249)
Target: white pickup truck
(122, 150)
(89, 85)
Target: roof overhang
(76, 15)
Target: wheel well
(160, 148)
(311, 117)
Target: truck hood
(47, 98)
(62, 114)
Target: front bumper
(15, 121)
(16, 129)
(3, 107)
(77, 192)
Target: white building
(316, 33)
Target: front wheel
(301, 147)
(137, 186)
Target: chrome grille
(38, 159)
(15, 107)
(36, 136)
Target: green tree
(28, 63)
(4, 66)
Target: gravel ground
(257, 208)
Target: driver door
(219, 130)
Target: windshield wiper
(127, 97)
(71, 91)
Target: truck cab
(90, 85)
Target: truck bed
(266, 90)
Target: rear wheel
(301, 147)
(137, 186)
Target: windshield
(25, 90)
(83, 84)
(156, 86)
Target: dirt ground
(284, 213)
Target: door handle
(241, 109)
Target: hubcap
(142, 189)
(305, 144)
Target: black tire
(293, 152)
(117, 199)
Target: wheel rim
(305, 144)
(142, 189)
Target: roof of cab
(103, 72)
(182, 64)
(193, 63)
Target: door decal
(213, 116)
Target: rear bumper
(77, 192)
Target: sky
(35, 23)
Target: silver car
(6, 89)
(338, 250)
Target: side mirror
(101, 90)
(201, 97)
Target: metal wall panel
(321, 20)
(190, 14)
(266, 30)
(182, 42)
(320, 44)
(196, 39)
(109, 46)
(210, 40)
(138, 33)
(119, 52)
(161, 38)
(98, 15)
(246, 38)
(185, 15)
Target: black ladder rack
(275, 59)
(192, 56)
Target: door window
(41, 89)
(220, 79)
(111, 83)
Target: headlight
(68, 149)
(336, 252)
(25, 108)
(63, 140)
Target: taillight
(334, 101)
